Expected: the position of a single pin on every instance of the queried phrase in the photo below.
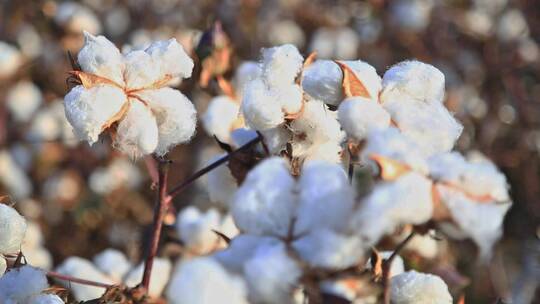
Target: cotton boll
(204, 281)
(430, 126)
(195, 229)
(13, 177)
(245, 73)
(265, 202)
(424, 245)
(20, 284)
(322, 81)
(391, 144)
(88, 110)
(77, 18)
(276, 139)
(220, 116)
(260, 108)
(326, 198)
(281, 65)
(23, 100)
(406, 200)
(330, 152)
(113, 263)
(290, 97)
(46, 299)
(413, 15)
(162, 268)
(358, 116)
(175, 116)
(317, 123)
(221, 184)
(397, 266)
(12, 230)
(137, 133)
(10, 59)
(141, 71)
(81, 268)
(271, 275)
(418, 288)
(101, 57)
(328, 249)
(171, 58)
(512, 26)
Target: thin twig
(162, 204)
(387, 264)
(62, 277)
(179, 188)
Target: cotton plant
(129, 96)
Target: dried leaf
(390, 169)
(227, 88)
(486, 198)
(440, 211)
(376, 263)
(352, 86)
(90, 80)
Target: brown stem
(387, 264)
(178, 189)
(62, 277)
(162, 204)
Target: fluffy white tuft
(171, 58)
(13, 177)
(19, 285)
(358, 116)
(82, 268)
(101, 57)
(137, 132)
(113, 263)
(23, 100)
(412, 287)
(220, 116)
(12, 230)
(162, 266)
(46, 299)
(260, 108)
(195, 229)
(281, 64)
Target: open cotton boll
(397, 266)
(329, 152)
(82, 268)
(412, 287)
(19, 285)
(77, 18)
(328, 249)
(414, 79)
(241, 249)
(10, 59)
(88, 110)
(406, 200)
(271, 275)
(260, 108)
(162, 268)
(113, 263)
(12, 230)
(245, 73)
(23, 100)
(265, 203)
(358, 116)
(276, 139)
(478, 178)
(326, 198)
(220, 116)
(195, 229)
(391, 144)
(429, 125)
(221, 184)
(46, 299)
(101, 57)
(290, 98)
(205, 281)
(137, 133)
(171, 58)
(318, 123)
(13, 177)
(140, 70)
(281, 65)
(175, 116)
(480, 221)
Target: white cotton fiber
(276, 139)
(20, 284)
(137, 132)
(265, 203)
(329, 151)
(281, 65)
(162, 272)
(220, 116)
(101, 57)
(195, 229)
(12, 230)
(88, 110)
(260, 108)
(22, 100)
(358, 116)
(171, 58)
(175, 116)
(318, 123)
(10, 59)
(246, 72)
(419, 288)
(205, 281)
(113, 263)
(13, 177)
(81, 268)
(290, 98)
(326, 198)
(140, 70)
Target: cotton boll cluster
(26, 285)
(23, 100)
(419, 288)
(476, 195)
(151, 117)
(120, 173)
(77, 18)
(13, 177)
(10, 59)
(32, 247)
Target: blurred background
(85, 199)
